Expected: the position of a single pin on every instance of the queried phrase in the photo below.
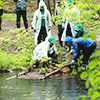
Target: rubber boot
(0, 24)
(18, 24)
(84, 68)
(70, 67)
(26, 25)
(0, 28)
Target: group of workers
(68, 32)
(71, 34)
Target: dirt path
(11, 25)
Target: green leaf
(90, 35)
(90, 91)
(87, 83)
(83, 75)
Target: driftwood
(43, 77)
(15, 76)
(55, 71)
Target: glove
(49, 28)
(72, 62)
(63, 25)
(57, 53)
(34, 30)
(32, 27)
(72, 51)
(53, 23)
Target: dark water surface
(55, 89)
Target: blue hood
(68, 39)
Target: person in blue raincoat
(87, 46)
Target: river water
(52, 89)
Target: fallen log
(15, 76)
(55, 71)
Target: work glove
(63, 25)
(72, 62)
(32, 27)
(72, 51)
(53, 23)
(57, 53)
(49, 28)
(34, 30)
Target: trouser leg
(88, 52)
(40, 36)
(51, 55)
(44, 33)
(18, 13)
(1, 13)
(60, 31)
(24, 16)
(68, 33)
(0, 23)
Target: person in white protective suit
(41, 23)
(72, 13)
(58, 12)
(45, 49)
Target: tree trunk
(54, 5)
(48, 5)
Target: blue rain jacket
(74, 41)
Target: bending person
(87, 46)
(45, 49)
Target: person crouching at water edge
(45, 49)
(87, 46)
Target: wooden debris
(15, 76)
(55, 71)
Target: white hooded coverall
(42, 50)
(36, 24)
(74, 10)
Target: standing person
(1, 12)
(41, 23)
(87, 46)
(45, 49)
(71, 12)
(21, 10)
(58, 12)
(80, 32)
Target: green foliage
(9, 17)
(89, 13)
(93, 75)
(18, 46)
(5, 60)
(90, 35)
(83, 75)
(42, 70)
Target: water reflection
(55, 89)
